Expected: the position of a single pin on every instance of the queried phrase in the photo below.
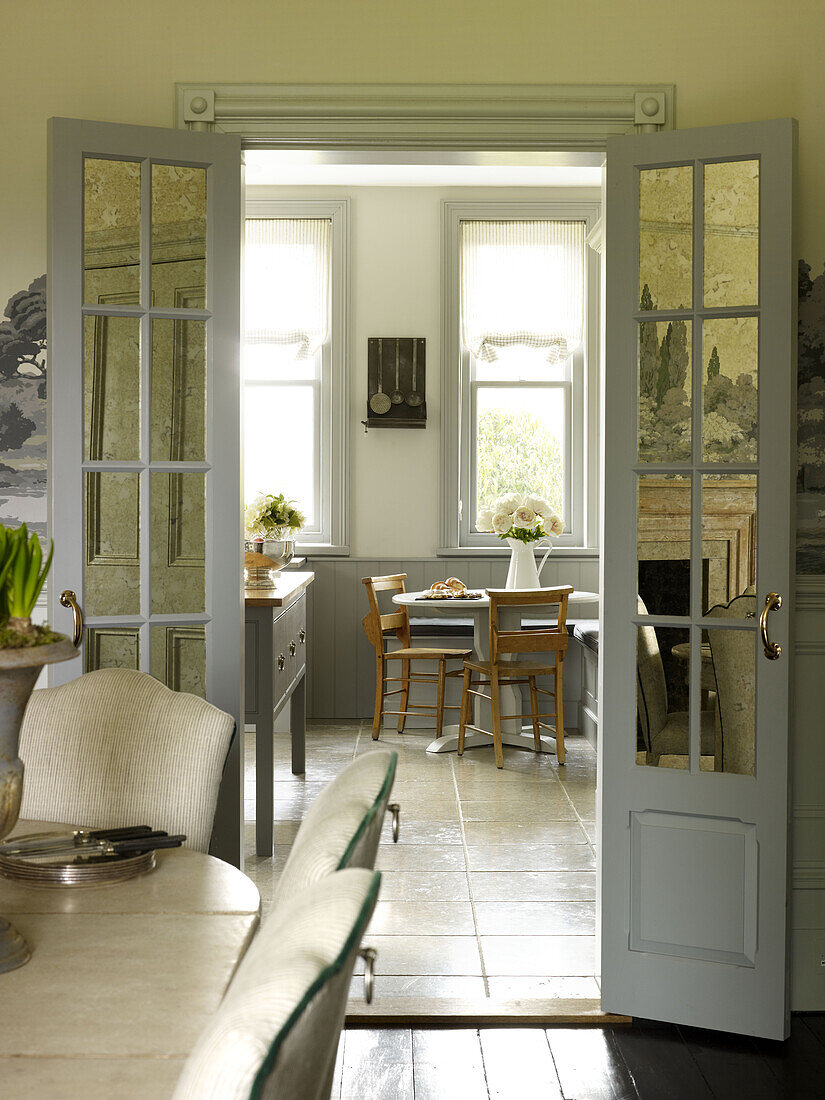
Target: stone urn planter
(19, 669)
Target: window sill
(571, 552)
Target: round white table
(512, 731)
(122, 979)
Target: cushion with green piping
(342, 827)
(276, 1032)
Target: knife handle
(147, 843)
(122, 834)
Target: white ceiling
(387, 169)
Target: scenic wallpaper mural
(810, 500)
(23, 408)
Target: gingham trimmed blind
(287, 282)
(522, 283)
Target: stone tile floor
(490, 891)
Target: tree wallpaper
(23, 408)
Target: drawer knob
(292, 648)
(281, 662)
(302, 635)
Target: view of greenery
(516, 454)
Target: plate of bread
(451, 589)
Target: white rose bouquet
(526, 518)
(272, 517)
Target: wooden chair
(501, 667)
(376, 626)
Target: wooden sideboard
(276, 646)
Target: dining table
(513, 732)
(122, 977)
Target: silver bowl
(281, 551)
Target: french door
(696, 647)
(144, 407)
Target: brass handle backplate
(292, 648)
(281, 662)
(773, 650)
(69, 599)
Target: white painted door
(699, 507)
(144, 409)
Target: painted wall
(731, 60)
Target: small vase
(523, 572)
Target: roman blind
(287, 282)
(522, 283)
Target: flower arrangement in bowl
(522, 520)
(271, 524)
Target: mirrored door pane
(111, 387)
(178, 234)
(663, 543)
(665, 391)
(731, 237)
(728, 537)
(111, 647)
(662, 696)
(733, 654)
(111, 227)
(730, 400)
(112, 544)
(178, 543)
(666, 238)
(179, 657)
(179, 390)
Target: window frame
(331, 535)
(458, 387)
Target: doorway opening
(490, 897)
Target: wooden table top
(289, 587)
(122, 978)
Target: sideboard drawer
(289, 653)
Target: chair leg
(534, 710)
(379, 697)
(495, 705)
(561, 754)
(405, 696)
(464, 713)
(439, 703)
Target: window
(294, 362)
(517, 326)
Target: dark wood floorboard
(660, 1063)
(798, 1064)
(646, 1061)
(732, 1065)
(588, 1064)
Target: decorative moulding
(432, 116)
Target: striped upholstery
(116, 747)
(276, 1032)
(342, 827)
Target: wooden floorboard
(645, 1061)
(732, 1065)
(660, 1063)
(589, 1064)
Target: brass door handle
(281, 662)
(302, 635)
(292, 648)
(773, 650)
(69, 599)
